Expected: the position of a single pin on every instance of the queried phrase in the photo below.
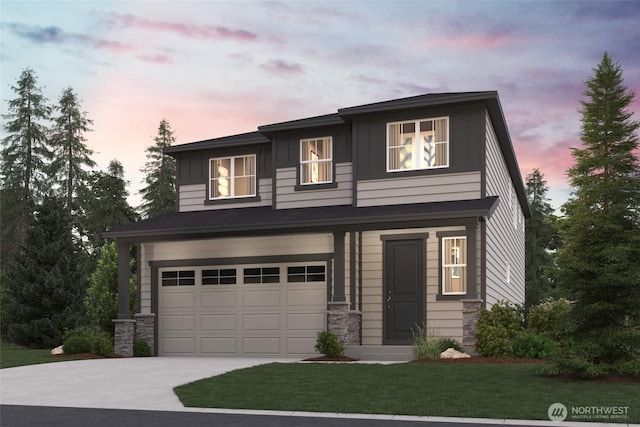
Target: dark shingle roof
(259, 220)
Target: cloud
(57, 35)
(473, 42)
(280, 67)
(155, 59)
(207, 32)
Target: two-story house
(367, 222)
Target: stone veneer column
(470, 315)
(338, 321)
(145, 329)
(123, 341)
(353, 327)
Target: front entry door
(403, 297)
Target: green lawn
(12, 355)
(511, 391)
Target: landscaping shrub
(549, 317)
(428, 345)
(496, 330)
(85, 339)
(328, 344)
(424, 343)
(77, 344)
(141, 348)
(537, 346)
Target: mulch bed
(479, 359)
(330, 359)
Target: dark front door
(403, 298)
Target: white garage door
(274, 309)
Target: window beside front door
(454, 265)
(418, 144)
(316, 161)
(232, 177)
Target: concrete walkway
(147, 384)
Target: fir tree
(159, 194)
(104, 203)
(71, 154)
(24, 155)
(541, 238)
(46, 282)
(601, 232)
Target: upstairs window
(316, 161)
(232, 177)
(454, 265)
(418, 144)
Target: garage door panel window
(224, 276)
(179, 278)
(262, 275)
(308, 273)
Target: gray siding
(504, 230)
(419, 189)
(443, 317)
(287, 197)
(192, 197)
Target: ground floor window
(454, 265)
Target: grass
(503, 391)
(12, 355)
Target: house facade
(367, 222)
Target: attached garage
(241, 310)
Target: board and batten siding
(288, 198)
(443, 317)
(419, 189)
(505, 244)
(241, 247)
(192, 197)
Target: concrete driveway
(126, 383)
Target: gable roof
(265, 220)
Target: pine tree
(104, 203)
(71, 154)
(601, 232)
(46, 282)
(159, 195)
(541, 238)
(24, 155)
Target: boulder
(57, 350)
(452, 353)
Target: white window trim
(446, 265)
(231, 176)
(317, 162)
(508, 273)
(417, 146)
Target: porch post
(472, 256)
(124, 324)
(338, 267)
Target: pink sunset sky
(219, 68)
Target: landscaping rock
(452, 353)
(57, 350)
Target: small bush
(85, 339)
(141, 348)
(328, 344)
(428, 345)
(496, 330)
(77, 344)
(536, 346)
(549, 317)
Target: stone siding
(123, 340)
(470, 315)
(145, 329)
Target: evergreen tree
(46, 282)
(159, 195)
(24, 156)
(601, 233)
(71, 154)
(541, 238)
(101, 301)
(104, 202)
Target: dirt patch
(80, 356)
